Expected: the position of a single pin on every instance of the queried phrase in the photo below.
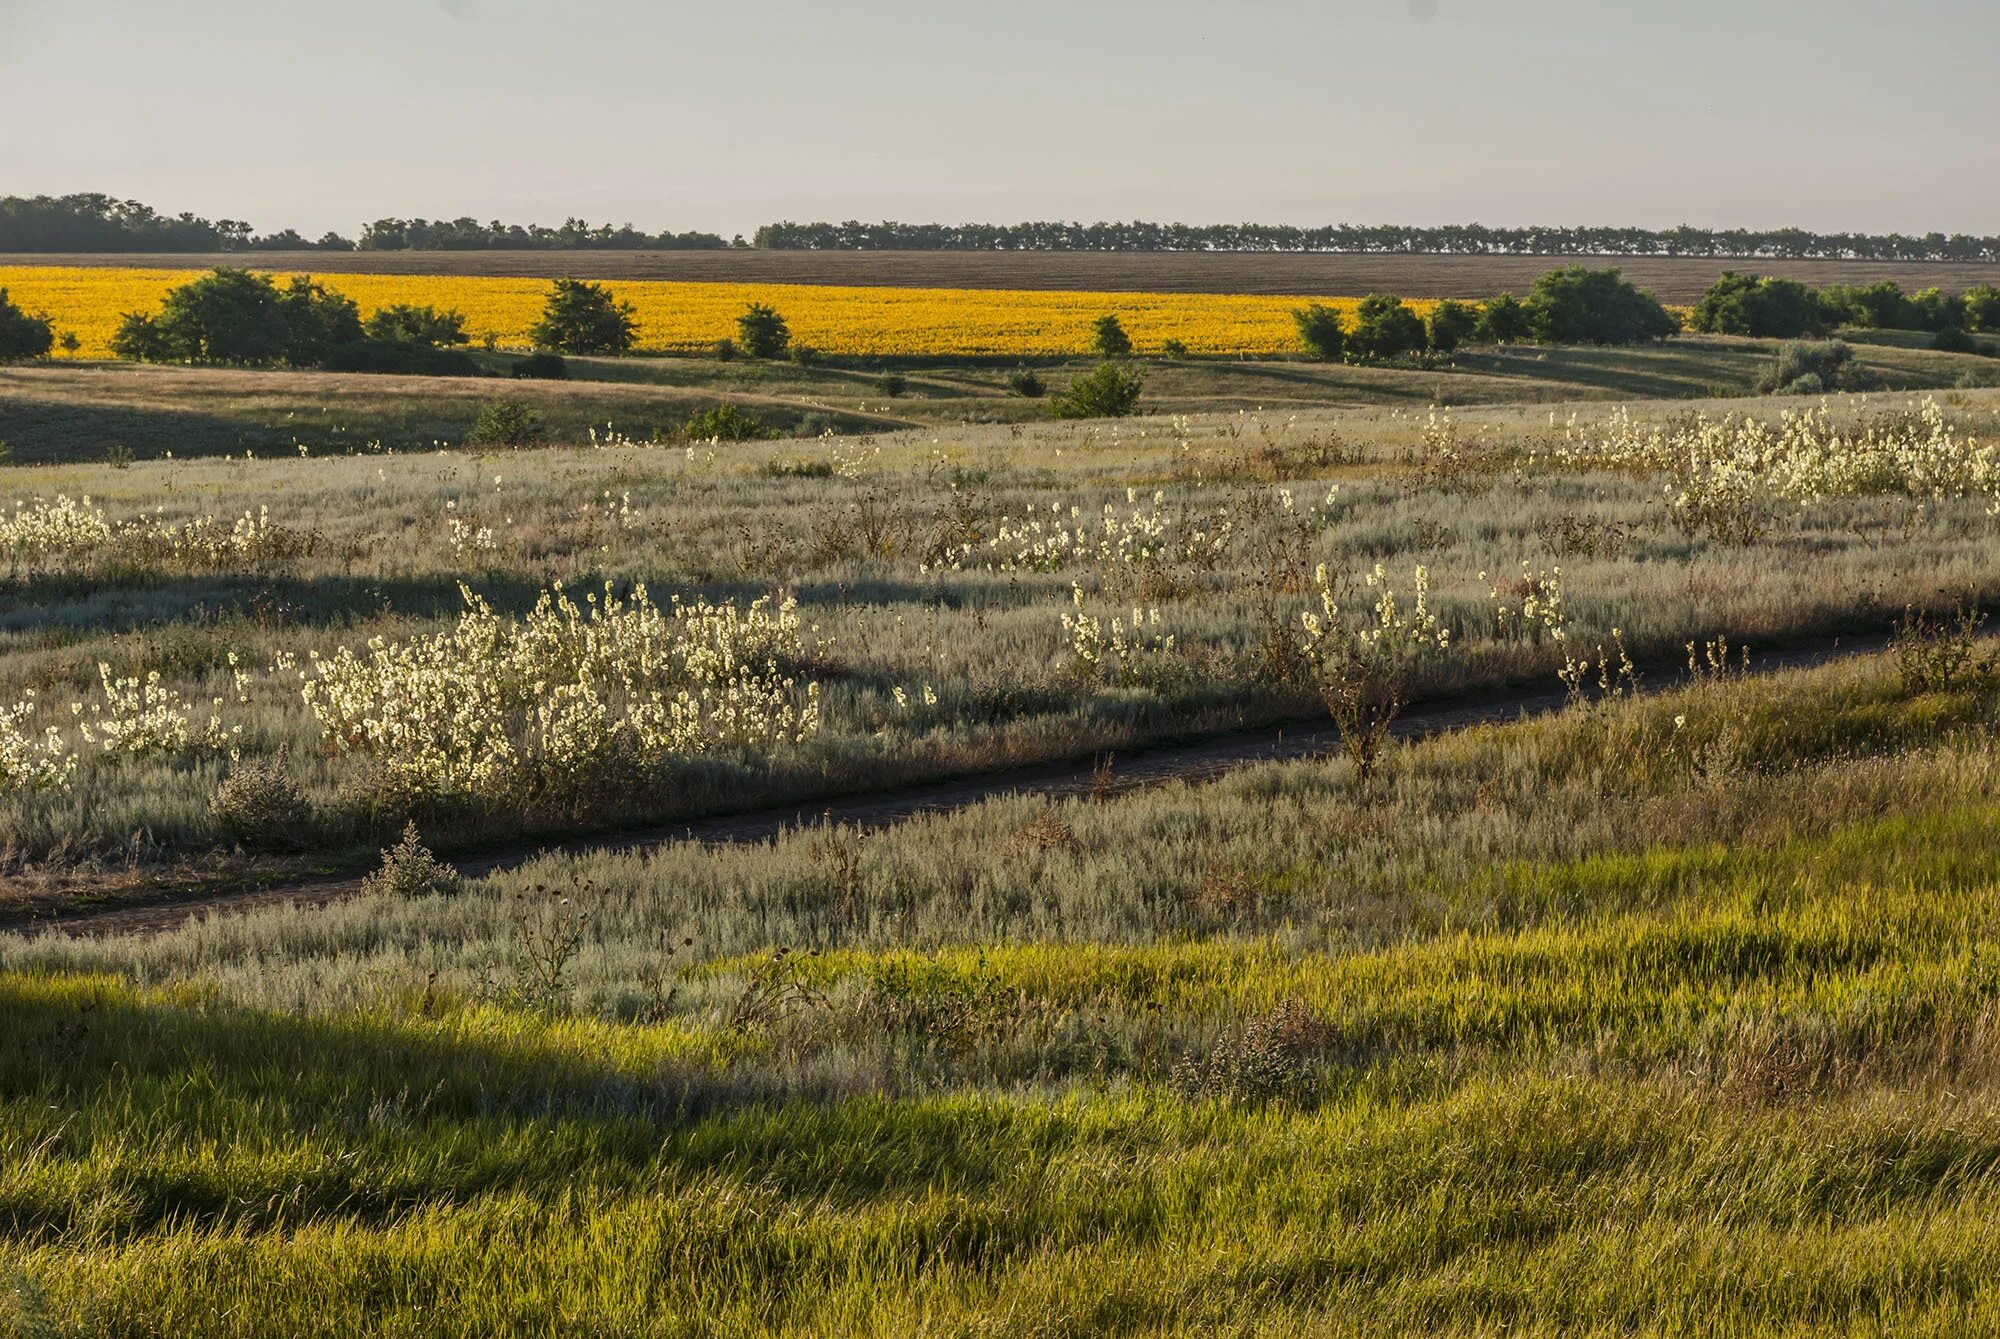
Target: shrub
(805, 355)
(1574, 305)
(1982, 307)
(1321, 331)
(1173, 348)
(725, 423)
(259, 806)
(506, 423)
(541, 365)
(1385, 328)
(761, 332)
(1954, 339)
(415, 360)
(724, 350)
(317, 320)
(893, 384)
(1503, 320)
(583, 317)
(1807, 369)
(22, 336)
(1452, 324)
(1024, 383)
(1743, 304)
(1109, 392)
(404, 323)
(1878, 306)
(1108, 338)
(410, 870)
(1935, 309)
(1266, 1059)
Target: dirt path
(1197, 762)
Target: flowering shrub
(69, 532)
(1125, 655)
(493, 701)
(29, 761)
(146, 716)
(1363, 660)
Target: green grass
(1591, 1024)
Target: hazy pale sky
(723, 115)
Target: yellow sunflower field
(674, 316)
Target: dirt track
(1676, 280)
(1200, 761)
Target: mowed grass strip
(684, 317)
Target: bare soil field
(1673, 279)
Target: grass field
(1674, 280)
(1668, 1017)
(1671, 1013)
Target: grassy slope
(70, 413)
(1599, 1024)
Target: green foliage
(1385, 328)
(1108, 338)
(1876, 306)
(21, 336)
(317, 320)
(410, 360)
(805, 355)
(259, 806)
(893, 384)
(542, 365)
(225, 316)
(583, 317)
(1452, 324)
(1574, 305)
(1173, 348)
(726, 423)
(405, 323)
(1111, 391)
(1321, 331)
(409, 870)
(1744, 304)
(1935, 309)
(723, 350)
(1503, 320)
(1023, 382)
(506, 423)
(1982, 307)
(1954, 339)
(761, 333)
(1807, 369)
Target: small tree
(1502, 320)
(403, 323)
(1108, 338)
(1024, 383)
(1573, 305)
(1743, 304)
(1452, 324)
(1321, 331)
(762, 333)
(1111, 391)
(1385, 328)
(506, 423)
(1938, 310)
(582, 317)
(22, 336)
(1982, 307)
(317, 320)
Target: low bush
(259, 806)
(1109, 392)
(726, 423)
(506, 423)
(22, 336)
(1321, 331)
(1024, 383)
(542, 365)
(1807, 368)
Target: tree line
(1748, 304)
(102, 223)
(1388, 239)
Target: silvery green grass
(1671, 1013)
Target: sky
(719, 116)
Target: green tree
(762, 333)
(1321, 331)
(1111, 391)
(317, 321)
(1744, 304)
(1982, 307)
(582, 317)
(22, 336)
(1574, 305)
(1452, 324)
(404, 323)
(1108, 338)
(1503, 320)
(1937, 310)
(1385, 328)
(1877, 306)
(225, 316)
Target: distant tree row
(101, 223)
(1748, 304)
(1455, 240)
